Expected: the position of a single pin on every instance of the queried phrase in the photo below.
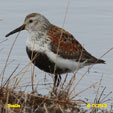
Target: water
(90, 21)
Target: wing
(69, 47)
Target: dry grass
(35, 102)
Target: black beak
(16, 30)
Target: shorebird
(53, 49)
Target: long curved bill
(22, 27)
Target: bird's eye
(30, 21)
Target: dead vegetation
(35, 103)
(59, 102)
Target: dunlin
(53, 49)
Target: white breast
(37, 42)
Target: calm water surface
(90, 21)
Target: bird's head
(33, 23)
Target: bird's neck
(36, 35)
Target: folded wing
(65, 45)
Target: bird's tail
(100, 61)
(95, 61)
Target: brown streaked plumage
(69, 47)
(46, 40)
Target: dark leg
(57, 80)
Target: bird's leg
(59, 80)
(54, 87)
(55, 80)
